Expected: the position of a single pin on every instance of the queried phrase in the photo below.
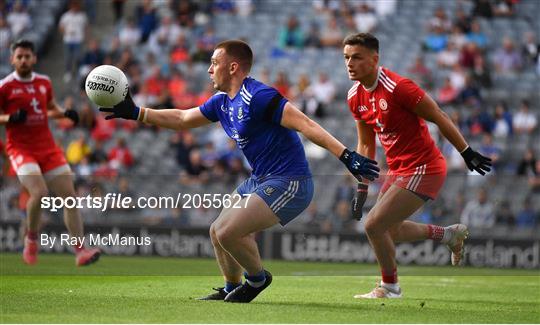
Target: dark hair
(24, 43)
(363, 39)
(239, 50)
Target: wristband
(145, 116)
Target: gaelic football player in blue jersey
(264, 126)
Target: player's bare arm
(174, 119)
(428, 109)
(358, 165)
(366, 140)
(56, 111)
(294, 119)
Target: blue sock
(229, 286)
(256, 280)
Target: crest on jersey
(42, 89)
(240, 114)
(383, 104)
(269, 190)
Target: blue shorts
(286, 196)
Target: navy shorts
(287, 197)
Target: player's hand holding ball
(359, 165)
(126, 109)
(107, 87)
(17, 117)
(475, 161)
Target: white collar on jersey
(21, 79)
(372, 88)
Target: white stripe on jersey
(386, 85)
(245, 98)
(353, 91)
(43, 76)
(8, 78)
(246, 92)
(390, 81)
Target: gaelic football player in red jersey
(26, 103)
(395, 109)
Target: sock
(389, 276)
(79, 247)
(394, 287)
(256, 280)
(229, 286)
(435, 232)
(32, 235)
(447, 235)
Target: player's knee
(212, 232)
(224, 236)
(38, 192)
(372, 227)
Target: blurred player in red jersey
(27, 101)
(394, 108)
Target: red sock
(79, 247)
(32, 235)
(435, 232)
(389, 276)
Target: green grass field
(163, 290)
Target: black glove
(18, 117)
(72, 115)
(358, 201)
(359, 165)
(476, 161)
(126, 109)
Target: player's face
(219, 70)
(23, 61)
(360, 61)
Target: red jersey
(33, 95)
(388, 108)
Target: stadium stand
(167, 68)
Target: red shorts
(47, 160)
(426, 180)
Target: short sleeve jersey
(252, 119)
(32, 95)
(388, 108)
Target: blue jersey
(252, 119)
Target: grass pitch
(163, 290)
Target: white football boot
(380, 292)
(459, 233)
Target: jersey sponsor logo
(223, 109)
(35, 105)
(362, 108)
(30, 89)
(16, 91)
(42, 89)
(269, 190)
(383, 104)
